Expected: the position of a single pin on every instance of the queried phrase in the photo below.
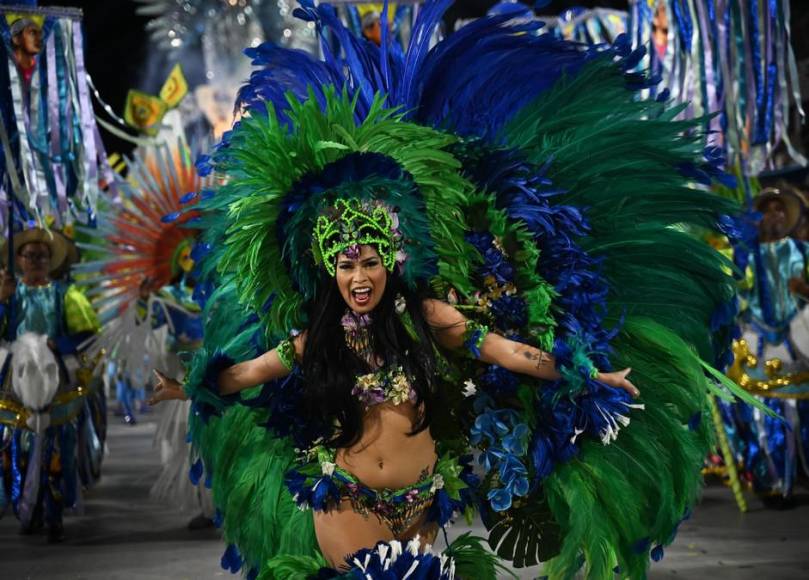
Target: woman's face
(361, 279)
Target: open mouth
(361, 296)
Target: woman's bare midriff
(386, 456)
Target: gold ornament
(774, 384)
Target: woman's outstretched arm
(449, 328)
(271, 365)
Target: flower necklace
(358, 335)
(391, 385)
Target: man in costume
(55, 445)
(145, 296)
(769, 360)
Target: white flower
(438, 482)
(400, 304)
(469, 388)
(327, 468)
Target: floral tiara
(351, 223)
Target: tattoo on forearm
(535, 355)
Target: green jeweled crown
(351, 223)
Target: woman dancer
(374, 215)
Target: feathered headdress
(147, 234)
(533, 189)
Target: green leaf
(525, 535)
(734, 390)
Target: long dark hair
(330, 367)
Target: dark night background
(117, 44)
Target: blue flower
(295, 482)
(499, 380)
(518, 486)
(517, 441)
(500, 499)
(509, 312)
(441, 509)
(490, 457)
(324, 492)
(495, 264)
(482, 403)
(482, 429)
(511, 467)
(503, 419)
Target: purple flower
(352, 252)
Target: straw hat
(793, 204)
(57, 243)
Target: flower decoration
(469, 389)
(384, 386)
(504, 439)
(351, 223)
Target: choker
(357, 335)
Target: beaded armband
(286, 353)
(575, 366)
(473, 337)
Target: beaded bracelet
(286, 353)
(473, 337)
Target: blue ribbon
(758, 73)
(16, 473)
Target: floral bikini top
(389, 385)
(384, 385)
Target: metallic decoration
(782, 386)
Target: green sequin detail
(473, 337)
(351, 223)
(286, 353)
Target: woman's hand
(618, 380)
(166, 389)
